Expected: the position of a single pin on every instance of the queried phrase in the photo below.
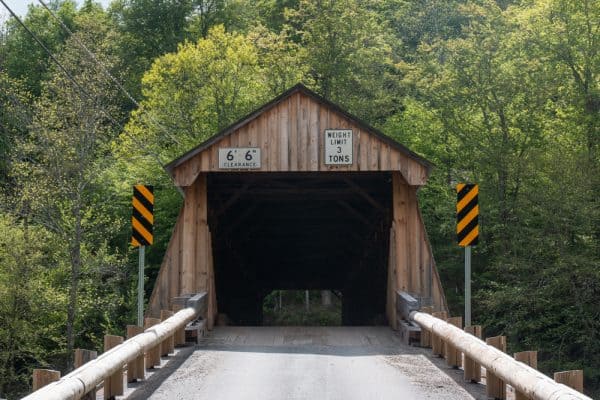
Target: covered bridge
(299, 195)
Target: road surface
(318, 363)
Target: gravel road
(275, 363)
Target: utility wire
(78, 86)
(103, 67)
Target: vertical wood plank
(294, 132)
(272, 129)
(167, 346)
(323, 124)
(495, 387)
(313, 145)
(400, 210)
(135, 368)
(391, 289)
(363, 150)
(200, 265)
(472, 369)
(437, 344)
(527, 358)
(374, 154)
(263, 137)
(83, 356)
(284, 136)
(425, 334)
(212, 291)
(302, 133)
(152, 355)
(453, 355)
(573, 379)
(385, 157)
(188, 253)
(43, 377)
(179, 335)
(113, 385)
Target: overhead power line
(103, 67)
(80, 89)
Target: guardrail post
(495, 387)
(135, 368)
(527, 358)
(425, 334)
(472, 369)
(83, 356)
(113, 385)
(573, 379)
(437, 344)
(453, 355)
(152, 355)
(42, 377)
(168, 345)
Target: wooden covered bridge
(299, 194)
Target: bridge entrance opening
(296, 231)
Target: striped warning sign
(467, 214)
(142, 217)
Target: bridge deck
(304, 363)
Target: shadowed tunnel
(300, 231)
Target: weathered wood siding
(291, 138)
(411, 266)
(187, 266)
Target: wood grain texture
(113, 385)
(135, 368)
(290, 136)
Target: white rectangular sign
(239, 158)
(338, 147)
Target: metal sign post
(140, 300)
(467, 232)
(142, 235)
(468, 286)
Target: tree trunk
(75, 270)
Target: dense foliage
(504, 93)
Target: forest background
(503, 93)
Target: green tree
(24, 58)
(59, 164)
(31, 320)
(347, 51)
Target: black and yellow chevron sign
(142, 217)
(467, 214)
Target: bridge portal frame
(289, 130)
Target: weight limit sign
(467, 214)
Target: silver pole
(140, 305)
(468, 286)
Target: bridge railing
(527, 381)
(86, 378)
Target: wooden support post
(168, 345)
(135, 368)
(42, 377)
(453, 355)
(495, 387)
(528, 358)
(81, 357)
(152, 355)
(573, 379)
(179, 336)
(425, 335)
(437, 344)
(472, 369)
(113, 385)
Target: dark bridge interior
(276, 231)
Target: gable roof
(285, 95)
